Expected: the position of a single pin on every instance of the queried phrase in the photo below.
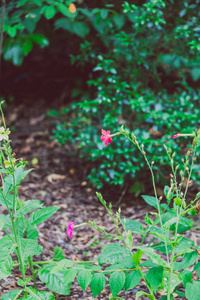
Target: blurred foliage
(146, 72)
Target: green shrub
(145, 80)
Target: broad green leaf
(28, 206)
(2, 221)
(112, 254)
(43, 214)
(119, 20)
(54, 282)
(84, 278)
(6, 264)
(58, 253)
(154, 256)
(155, 276)
(192, 290)
(36, 295)
(6, 244)
(168, 224)
(197, 266)
(150, 200)
(20, 174)
(126, 263)
(81, 29)
(136, 257)
(175, 281)
(30, 248)
(133, 226)
(132, 280)
(62, 264)
(140, 293)
(32, 233)
(11, 295)
(49, 12)
(69, 275)
(186, 276)
(116, 282)
(97, 283)
(187, 261)
(64, 10)
(39, 39)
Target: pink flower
(106, 137)
(70, 229)
(175, 136)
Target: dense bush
(145, 80)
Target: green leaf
(69, 275)
(84, 278)
(30, 248)
(175, 281)
(58, 253)
(2, 221)
(36, 295)
(64, 10)
(168, 224)
(28, 206)
(150, 200)
(197, 266)
(132, 280)
(49, 12)
(116, 282)
(97, 283)
(154, 277)
(188, 260)
(81, 29)
(119, 20)
(136, 257)
(133, 226)
(11, 295)
(154, 256)
(6, 244)
(104, 13)
(32, 233)
(39, 39)
(186, 276)
(140, 293)
(62, 264)
(192, 290)
(20, 174)
(43, 214)
(55, 282)
(6, 264)
(112, 254)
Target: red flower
(70, 229)
(175, 136)
(106, 137)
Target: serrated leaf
(154, 256)
(11, 295)
(6, 264)
(97, 283)
(43, 214)
(187, 261)
(28, 206)
(62, 264)
(192, 290)
(84, 278)
(150, 200)
(58, 253)
(116, 282)
(186, 276)
(36, 295)
(112, 254)
(133, 226)
(29, 248)
(20, 174)
(2, 221)
(54, 282)
(132, 280)
(154, 277)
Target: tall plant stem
(32, 271)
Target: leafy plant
(168, 250)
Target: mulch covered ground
(59, 180)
